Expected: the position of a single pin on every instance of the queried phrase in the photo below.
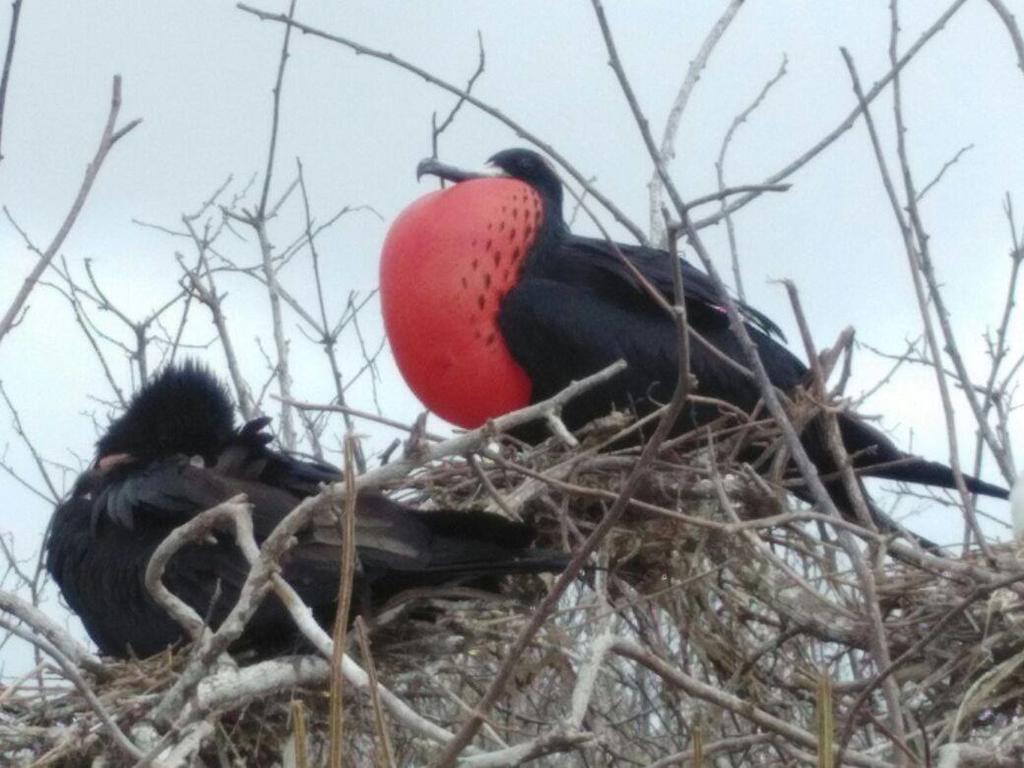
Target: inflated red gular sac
(441, 313)
(491, 303)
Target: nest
(719, 617)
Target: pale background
(200, 74)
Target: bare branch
(45, 627)
(675, 114)
(436, 129)
(12, 36)
(71, 672)
(695, 688)
(846, 123)
(261, 211)
(469, 98)
(913, 256)
(739, 120)
(1012, 27)
(110, 136)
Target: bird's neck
(553, 231)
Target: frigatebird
(175, 452)
(491, 302)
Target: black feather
(577, 309)
(183, 409)
(103, 536)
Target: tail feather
(448, 548)
(877, 456)
(937, 474)
(529, 561)
(483, 544)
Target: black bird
(176, 452)
(491, 302)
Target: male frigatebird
(175, 452)
(491, 303)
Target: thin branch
(942, 313)
(37, 458)
(71, 672)
(45, 627)
(772, 398)
(204, 289)
(346, 575)
(942, 171)
(111, 135)
(497, 114)
(675, 114)
(437, 129)
(12, 36)
(386, 750)
(349, 410)
(922, 301)
(261, 211)
(1012, 27)
(327, 340)
(693, 687)
(739, 120)
(845, 124)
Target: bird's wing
(392, 538)
(147, 504)
(162, 493)
(101, 569)
(249, 457)
(570, 324)
(401, 548)
(656, 266)
(388, 536)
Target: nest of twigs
(718, 618)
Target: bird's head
(516, 163)
(533, 168)
(184, 409)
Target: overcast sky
(200, 74)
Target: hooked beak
(431, 166)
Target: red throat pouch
(447, 263)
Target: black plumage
(176, 452)
(577, 308)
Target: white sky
(200, 75)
